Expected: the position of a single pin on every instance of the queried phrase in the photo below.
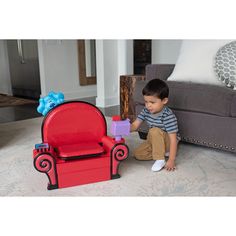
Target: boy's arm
(170, 165)
(135, 125)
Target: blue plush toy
(49, 102)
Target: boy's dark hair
(157, 88)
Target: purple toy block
(120, 128)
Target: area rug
(200, 171)
(7, 100)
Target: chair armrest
(119, 149)
(109, 142)
(118, 152)
(45, 162)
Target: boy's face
(154, 104)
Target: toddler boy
(162, 135)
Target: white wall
(165, 51)
(59, 71)
(5, 79)
(115, 58)
(112, 61)
(129, 55)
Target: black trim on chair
(80, 157)
(51, 186)
(116, 176)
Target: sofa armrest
(160, 71)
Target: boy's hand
(170, 165)
(135, 125)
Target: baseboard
(82, 93)
(107, 102)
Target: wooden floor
(7, 101)
(28, 111)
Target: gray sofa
(206, 113)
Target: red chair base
(66, 173)
(83, 171)
(75, 148)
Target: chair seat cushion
(78, 150)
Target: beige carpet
(201, 171)
(7, 101)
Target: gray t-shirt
(165, 119)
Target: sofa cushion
(202, 98)
(225, 64)
(195, 62)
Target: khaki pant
(155, 147)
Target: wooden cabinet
(127, 87)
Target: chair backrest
(73, 122)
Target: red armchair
(75, 148)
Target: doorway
(142, 55)
(24, 68)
